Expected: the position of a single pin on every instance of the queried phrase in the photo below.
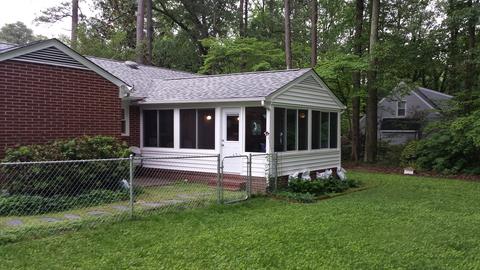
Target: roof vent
(131, 64)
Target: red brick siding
(134, 138)
(40, 103)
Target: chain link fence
(56, 195)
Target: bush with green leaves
(450, 147)
(66, 179)
(319, 187)
(296, 196)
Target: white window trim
(396, 112)
(126, 118)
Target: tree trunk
(240, 18)
(288, 39)
(471, 76)
(140, 31)
(371, 129)
(313, 34)
(359, 8)
(149, 32)
(73, 37)
(245, 23)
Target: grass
(200, 194)
(399, 223)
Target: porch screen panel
(255, 122)
(315, 130)
(279, 129)
(302, 129)
(206, 128)
(324, 130)
(165, 128)
(333, 129)
(188, 128)
(291, 130)
(150, 128)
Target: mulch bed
(396, 170)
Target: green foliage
(388, 154)
(50, 179)
(17, 33)
(241, 54)
(451, 146)
(176, 52)
(319, 187)
(409, 154)
(19, 205)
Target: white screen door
(231, 140)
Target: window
(165, 128)
(255, 123)
(232, 128)
(206, 129)
(279, 129)
(401, 108)
(302, 129)
(333, 129)
(125, 120)
(324, 130)
(315, 130)
(197, 128)
(158, 128)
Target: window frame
(196, 129)
(404, 109)
(157, 113)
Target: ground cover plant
(400, 222)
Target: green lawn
(400, 222)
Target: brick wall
(134, 138)
(40, 103)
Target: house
(403, 114)
(50, 91)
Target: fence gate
(235, 178)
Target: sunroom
(292, 113)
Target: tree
(241, 29)
(140, 31)
(73, 36)
(17, 33)
(149, 27)
(359, 7)
(372, 99)
(288, 39)
(313, 34)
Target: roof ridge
(236, 73)
(151, 66)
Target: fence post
(219, 200)
(249, 175)
(275, 158)
(132, 168)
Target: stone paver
(14, 223)
(98, 213)
(72, 216)
(50, 219)
(120, 207)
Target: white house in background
(169, 113)
(403, 114)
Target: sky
(26, 10)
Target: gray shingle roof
(6, 46)
(140, 78)
(437, 99)
(214, 87)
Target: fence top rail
(61, 161)
(175, 157)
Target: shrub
(52, 179)
(451, 146)
(35, 205)
(321, 186)
(409, 154)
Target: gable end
(50, 56)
